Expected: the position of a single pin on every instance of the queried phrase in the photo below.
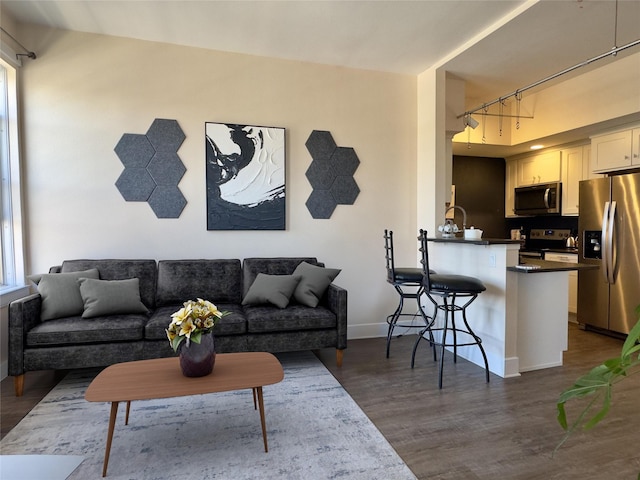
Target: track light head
(472, 122)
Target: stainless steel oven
(545, 240)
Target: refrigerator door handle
(610, 246)
(604, 242)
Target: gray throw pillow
(313, 284)
(35, 278)
(274, 289)
(110, 297)
(60, 293)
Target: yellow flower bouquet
(192, 321)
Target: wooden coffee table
(162, 378)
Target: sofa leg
(18, 384)
(339, 354)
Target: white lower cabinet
(573, 276)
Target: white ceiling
(496, 46)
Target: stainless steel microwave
(542, 199)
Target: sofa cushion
(313, 284)
(144, 270)
(219, 281)
(232, 324)
(251, 267)
(60, 293)
(110, 297)
(76, 330)
(274, 289)
(267, 318)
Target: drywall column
(440, 100)
(434, 159)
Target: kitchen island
(522, 317)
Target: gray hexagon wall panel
(330, 175)
(152, 168)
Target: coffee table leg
(126, 418)
(255, 405)
(262, 420)
(112, 424)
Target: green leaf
(632, 338)
(562, 416)
(606, 404)
(175, 343)
(195, 337)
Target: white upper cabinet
(541, 168)
(615, 151)
(572, 174)
(511, 177)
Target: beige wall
(84, 91)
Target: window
(12, 264)
(5, 200)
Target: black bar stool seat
(460, 284)
(408, 275)
(449, 288)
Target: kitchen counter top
(480, 241)
(546, 266)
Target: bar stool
(401, 278)
(449, 288)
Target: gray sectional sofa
(125, 318)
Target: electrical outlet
(492, 259)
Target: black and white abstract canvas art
(245, 177)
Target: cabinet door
(635, 144)
(573, 292)
(541, 168)
(572, 173)
(510, 185)
(611, 151)
(573, 276)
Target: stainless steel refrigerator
(609, 236)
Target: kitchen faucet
(464, 215)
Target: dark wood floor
(469, 430)
(506, 429)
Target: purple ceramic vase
(197, 359)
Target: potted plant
(193, 324)
(598, 384)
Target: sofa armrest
(24, 314)
(337, 302)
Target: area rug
(315, 431)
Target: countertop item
(472, 233)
